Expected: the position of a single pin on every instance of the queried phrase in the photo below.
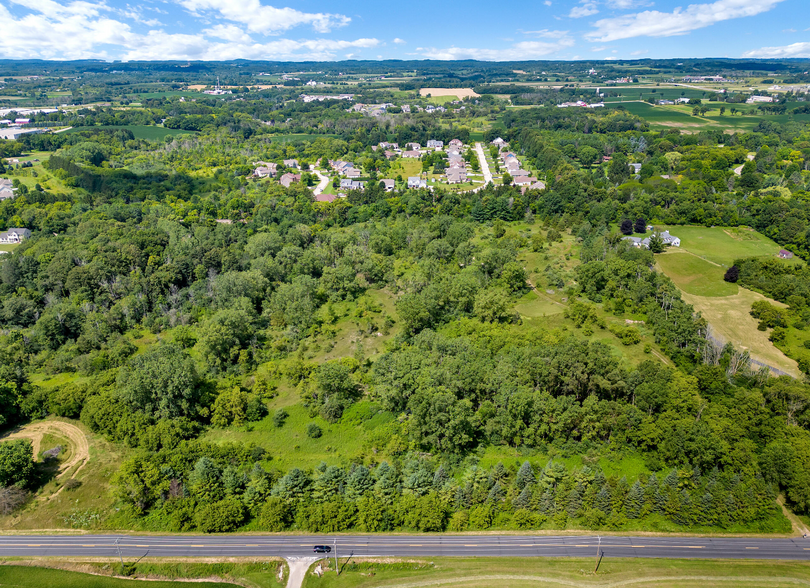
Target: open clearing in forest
(722, 245)
(694, 275)
(731, 321)
(556, 572)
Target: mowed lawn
(694, 275)
(576, 572)
(722, 245)
(25, 577)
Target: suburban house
(13, 235)
(636, 167)
(349, 184)
(756, 99)
(411, 154)
(412, 146)
(456, 175)
(6, 189)
(325, 198)
(434, 144)
(387, 145)
(416, 182)
(669, 240)
(353, 173)
(389, 185)
(500, 142)
(524, 180)
(289, 179)
(456, 143)
(785, 254)
(341, 166)
(291, 163)
(538, 185)
(265, 170)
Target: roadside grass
(9, 248)
(509, 572)
(694, 275)
(722, 245)
(149, 133)
(26, 576)
(731, 321)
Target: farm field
(574, 572)
(140, 131)
(451, 93)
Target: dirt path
(298, 570)
(79, 445)
(798, 526)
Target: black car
(321, 549)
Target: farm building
(785, 254)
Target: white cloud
(228, 33)
(598, 49)
(789, 31)
(517, 52)
(547, 2)
(81, 30)
(652, 23)
(261, 18)
(626, 4)
(587, 9)
(547, 34)
(399, 41)
(794, 50)
(640, 52)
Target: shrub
(732, 274)
(220, 517)
(314, 431)
(280, 417)
(276, 515)
(72, 484)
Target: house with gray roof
(416, 182)
(14, 236)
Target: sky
(319, 30)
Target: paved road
(482, 160)
(400, 545)
(324, 181)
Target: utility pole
(118, 547)
(337, 569)
(598, 553)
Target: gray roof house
(435, 144)
(348, 184)
(293, 163)
(416, 182)
(14, 235)
(389, 185)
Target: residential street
(483, 161)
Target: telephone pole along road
(401, 546)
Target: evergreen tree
(651, 489)
(523, 499)
(525, 476)
(547, 502)
(707, 514)
(499, 474)
(496, 494)
(634, 501)
(671, 481)
(684, 514)
(462, 500)
(603, 500)
(574, 506)
(386, 488)
(440, 478)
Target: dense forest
(240, 284)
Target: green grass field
(556, 572)
(722, 245)
(25, 577)
(694, 275)
(140, 131)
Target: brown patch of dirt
(78, 440)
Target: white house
(416, 182)
(13, 236)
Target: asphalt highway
(133, 546)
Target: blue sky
(411, 29)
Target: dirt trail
(298, 570)
(79, 445)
